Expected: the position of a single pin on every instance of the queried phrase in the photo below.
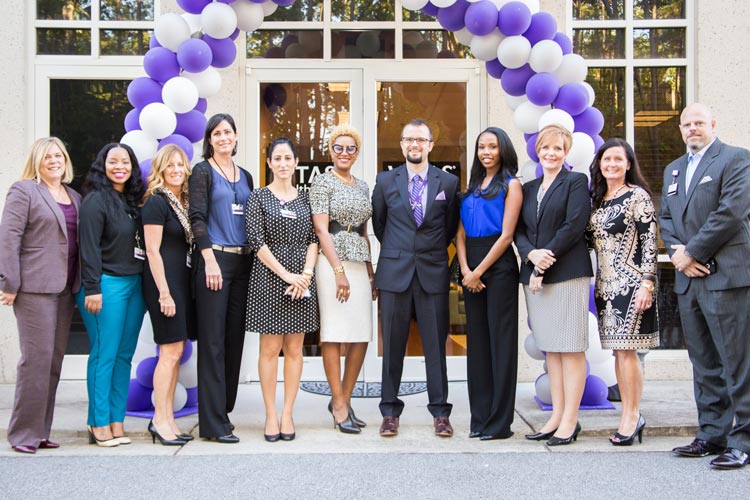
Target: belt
(235, 250)
(334, 227)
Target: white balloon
(249, 15)
(368, 42)
(180, 397)
(171, 30)
(514, 51)
(500, 3)
(546, 56)
(595, 353)
(485, 47)
(218, 20)
(582, 152)
(592, 94)
(529, 344)
(605, 371)
(179, 94)
(143, 145)
(188, 375)
(413, 38)
(443, 3)
(463, 36)
(295, 51)
(193, 21)
(557, 117)
(513, 101)
(528, 171)
(157, 120)
(542, 389)
(533, 5)
(208, 81)
(269, 7)
(573, 68)
(527, 115)
(197, 153)
(413, 4)
(427, 50)
(311, 40)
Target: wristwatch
(537, 273)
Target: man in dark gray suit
(704, 225)
(415, 216)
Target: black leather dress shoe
(228, 439)
(492, 437)
(698, 448)
(475, 434)
(732, 458)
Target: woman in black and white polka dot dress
(282, 304)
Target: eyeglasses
(421, 141)
(338, 149)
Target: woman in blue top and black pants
(489, 212)
(218, 192)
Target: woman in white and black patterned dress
(282, 304)
(341, 208)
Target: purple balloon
(283, 3)
(446, 54)
(139, 397)
(564, 42)
(514, 80)
(531, 147)
(543, 27)
(144, 373)
(180, 141)
(592, 299)
(595, 391)
(590, 121)
(539, 170)
(191, 125)
(186, 352)
(153, 42)
(481, 18)
(514, 18)
(131, 120)
(192, 397)
(193, 6)
(452, 18)
(235, 33)
(145, 167)
(288, 40)
(223, 51)
(542, 88)
(194, 55)
(202, 105)
(430, 9)
(161, 64)
(573, 98)
(143, 91)
(494, 68)
(598, 143)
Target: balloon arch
(521, 47)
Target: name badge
(237, 209)
(139, 253)
(288, 214)
(672, 189)
(189, 260)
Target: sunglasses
(338, 149)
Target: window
(93, 27)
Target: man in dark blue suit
(415, 216)
(704, 225)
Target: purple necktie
(416, 199)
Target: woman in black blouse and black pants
(218, 192)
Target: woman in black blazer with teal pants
(555, 274)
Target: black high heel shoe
(287, 437)
(557, 441)
(540, 436)
(628, 440)
(347, 426)
(272, 438)
(177, 441)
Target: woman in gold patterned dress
(622, 229)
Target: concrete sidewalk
(667, 406)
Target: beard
(414, 158)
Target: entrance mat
(365, 389)
(605, 405)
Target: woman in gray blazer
(38, 276)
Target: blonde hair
(159, 165)
(344, 131)
(557, 131)
(38, 151)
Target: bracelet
(648, 285)
(338, 270)
(308, 272)
(536, 272)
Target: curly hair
(508, 166)
(344, 131)
(160, 163)
(97, 180)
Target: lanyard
(232, 182)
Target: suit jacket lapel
(433, 183)
(555, 184)
(708, 158)
(402, 183)
(47, 196)
(681, 177)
